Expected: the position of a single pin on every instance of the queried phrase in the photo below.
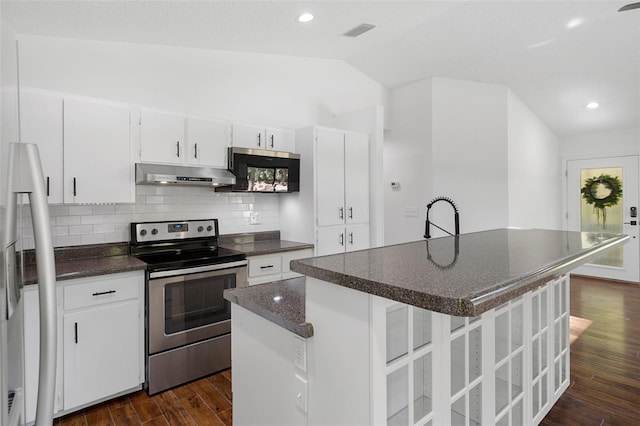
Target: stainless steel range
(188, 322)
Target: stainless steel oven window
(197, 302)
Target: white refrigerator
(21, 173)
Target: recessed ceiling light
(575, 22)
(305, 17)
(592, 105)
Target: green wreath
(601, 201)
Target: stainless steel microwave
(259, 170)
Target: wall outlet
(411, 211)
(255, 218)
(301, 393)
(300, 355)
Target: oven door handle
(206, 268)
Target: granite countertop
(281, 302)
(258, 243)
(464, 275)
(85, 261)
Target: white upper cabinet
(162, 137)
(281, 140)
(256, 137)
(342, 185)
(97, 160)
(208, 141)
(332, 208)
(41, 124)
(330, 177)
(176, 139)
(356, 182)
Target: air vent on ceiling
(359, 30)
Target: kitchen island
(472, 329)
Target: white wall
(407, 160)
(601, 144)
(469, 151)
(269, 90)
(475, 143)
(273, 90)
(535, 178)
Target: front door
(603, 198)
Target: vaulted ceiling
(555, 55)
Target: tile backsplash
(75, 224)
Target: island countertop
(462, 275)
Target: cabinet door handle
(259, 139)
(195, 147)
(74, 187)
(178, 149)
(75, 327)
(271, 141)
(266, 267)
(351, 238)
(101, 293)
(47, 186)
(341, 239)
(341, 212)
(350, 212)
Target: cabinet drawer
(103, 289)
(267, 265)
(288, 256)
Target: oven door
(189, 307)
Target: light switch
(300, 355)
(301, 393)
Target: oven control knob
(209, 228)
(154, 231)
(143, 232)
(200, 228)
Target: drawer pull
(76, 332)
(266, 267)
(100, 293)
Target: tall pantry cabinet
(332, 208)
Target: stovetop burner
(180, 260)
(174, 245)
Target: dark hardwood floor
(605, 373)
(605, 358)
(203, 402)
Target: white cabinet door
(281, 140)
(330, 241)
(41, 124)
(357, 237)
(32, 354)
(249, 136)
(101, 352)
(208, 141)
(330, 177)
(97, 160)
(162, 137)
(356, 165)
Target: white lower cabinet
(100, 340)
(32, 352)
(101, 352)
(274, 267)
(333, 240)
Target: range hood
(165, 174)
